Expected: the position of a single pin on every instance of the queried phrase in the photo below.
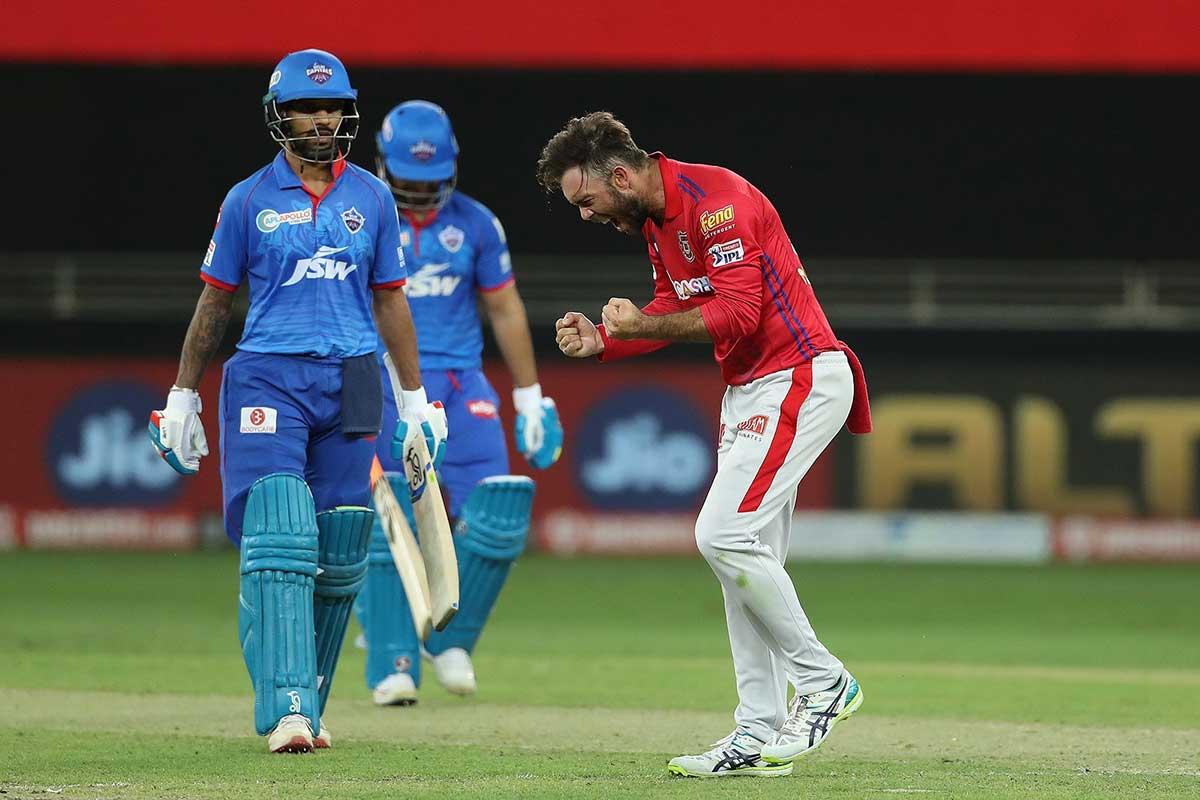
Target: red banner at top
(985, 35)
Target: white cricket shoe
(323, 741)
(396, 689)
(292, 734)
(455, 671)
(811, 717)
(737, 754)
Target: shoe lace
(808, 711)
(797, 714)
(724, 740)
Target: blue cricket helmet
(311, 75)
(416, 144)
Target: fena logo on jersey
(212, 248)
(711, 220)
(321, 265)
(729, 252)
(429, 281)
(258, 419)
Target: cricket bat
(434, 536)
(433, 526)
(405, 552)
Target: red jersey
(723, 248)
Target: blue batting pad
(488, 538)
(275, 604)
(392, 644)
(342, 558)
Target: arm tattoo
(204, 335)
(684, 326)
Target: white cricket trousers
(772, 430)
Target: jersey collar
(670, 181)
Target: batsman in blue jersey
(318, 241)
(458, 261)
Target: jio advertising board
(79, 471)
(1035, 461)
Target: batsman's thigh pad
(275, 608)
(392, 644)
(342, 558)
(490, 535)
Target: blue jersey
(460, 252)
(311, 262)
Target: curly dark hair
(596, 142)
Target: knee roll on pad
(489, 537)
(495, 518)
(275, 604)
(392, 644)
(342, 558)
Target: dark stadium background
(997, 207)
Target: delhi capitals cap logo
(353, 220)
(319, 73)
(423, 150)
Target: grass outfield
(122, 679)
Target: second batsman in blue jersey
(318, 242)
(458, 261)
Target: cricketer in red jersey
(725, 271)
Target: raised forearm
(394, 321)
(204, 335)
(683, 326)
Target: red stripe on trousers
(781, 442)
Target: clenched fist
(576, 336)
(622, 319)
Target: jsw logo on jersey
(692, 286)
(321, 265)
(429, 281)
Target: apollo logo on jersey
(724, 253)
(269, 219)
(691, 287)
(711, 220)
(429, 281)
(321, 265)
